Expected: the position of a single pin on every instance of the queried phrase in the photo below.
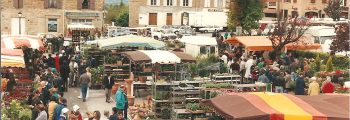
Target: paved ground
(96, 101)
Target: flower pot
(131, 100)
(142, 79)
(119, 63)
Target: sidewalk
(96, 101)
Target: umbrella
(130, 41)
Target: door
(152, 19)
(18, 26)
(169, 19)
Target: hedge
(339, 62)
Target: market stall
(130, 41)
(163, 67)
(79, 31)
(263, 43)
(278, 106)
(200, 45)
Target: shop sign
(215, 10)
(81, 14)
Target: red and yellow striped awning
(277, 106)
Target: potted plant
(97, 77)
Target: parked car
(161, 34)
(210, 29)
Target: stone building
(49, 16)
(178, 12)
(302, 8)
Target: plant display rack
(120, 70)
(161, 94)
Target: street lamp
(19, 16)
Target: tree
(114, 12)
(123, 19)
(329, 64)
(232, 19)
(287, 31)
(318, 63)
(245, 13)
(334, 9)
(341, 40)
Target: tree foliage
(329, 64)
(287, 31)
(334, 9)
(118, 13)
(318, 63)
(341, 40)
(245, 13)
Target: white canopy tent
(200, 45)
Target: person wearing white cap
(314, 87)
(64, 114)
(75, 114)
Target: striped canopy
(12, 58)
(276, 106)
(12, 42)
(158, 56)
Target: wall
(37, 17)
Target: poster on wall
(52, 25)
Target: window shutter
(344, 1)
(46, 4)
(215, 3)
(224, 4)
(165, 2)
(79, 4)
(20, 4)
(59, 4)
(148, 2)
(174, 2)
(189, 3)
(15, 3)
(92, 4)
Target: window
(220, 3)
(85, 4)
(52, 25)
(287, 1)
(295, 1)
(18, 4)
(153, 2)
(272, 5)
(207, 3)
(185, 2)
(169, 2)
(203, 50)
(52, 4)
(313, 1)
(342, 3)
(324, 1)
(212, 50)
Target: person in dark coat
(45, 93)
(300, 85)
(11, 83)
(114, 116)
(51, 61)
(108, 83)
(64, 70)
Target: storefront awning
(80, 27)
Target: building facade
(49, 16)
(302, 8)
(178, 12)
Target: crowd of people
(283, 73)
